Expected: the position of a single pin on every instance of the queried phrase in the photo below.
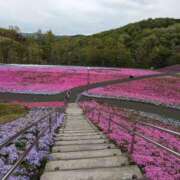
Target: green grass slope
(10, 112)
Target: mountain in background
(152, 43)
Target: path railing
(133, 131)
(50, 117)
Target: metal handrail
(147, 124)
(10, 171)
(134, 132)
(160, 128)
(23, 130)
(38, 136)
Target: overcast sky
(81, 16)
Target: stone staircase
(82, 152)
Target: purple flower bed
(31, 165)
(155, 162)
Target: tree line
(151, 43)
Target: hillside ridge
(151, 43)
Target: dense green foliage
(149, 43)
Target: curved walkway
(74, 91)
(164, 111)
(146, 107)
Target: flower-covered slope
(30, 167)
(55, 79)
(155, 162)
(165, 90)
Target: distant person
(67, 96)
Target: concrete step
(76, 131)
(73, 119)
(102, 162)
(79, 142)
(82, 152)
(77, 124)
(85, 147)
(86, 154)
(70, 138)
(119, 173)
(74, 111)
(77, 127)
(79, 134)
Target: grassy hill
(148, 43)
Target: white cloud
(81, 16)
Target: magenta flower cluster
(56, 79)
(155, 162)
(33, 161)
(162, 90)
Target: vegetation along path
(74, 91)
(81, 151)
(146, 107)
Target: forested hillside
(149, 43)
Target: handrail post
(133, 138)
(93, 113)
(36, 135)
(56, 115)
(109, 124)
(50, 121)
(99, 117)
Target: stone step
(78, 134)
(69, 138)
(77, 131)
(82, 152)
(75, 119)
(78, 127)
(85, 147)
(71, 128)
(86, 154)
(77, 124)
(74, 111)
(119, 173)
(102, 162)
(79, 142)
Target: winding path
(74, 91)
(146, 107)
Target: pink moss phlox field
(29, 169)
(54, 79)
(40, 104)
(165, 90)
(156, 163)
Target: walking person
(67, 96)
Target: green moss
(9, 112)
